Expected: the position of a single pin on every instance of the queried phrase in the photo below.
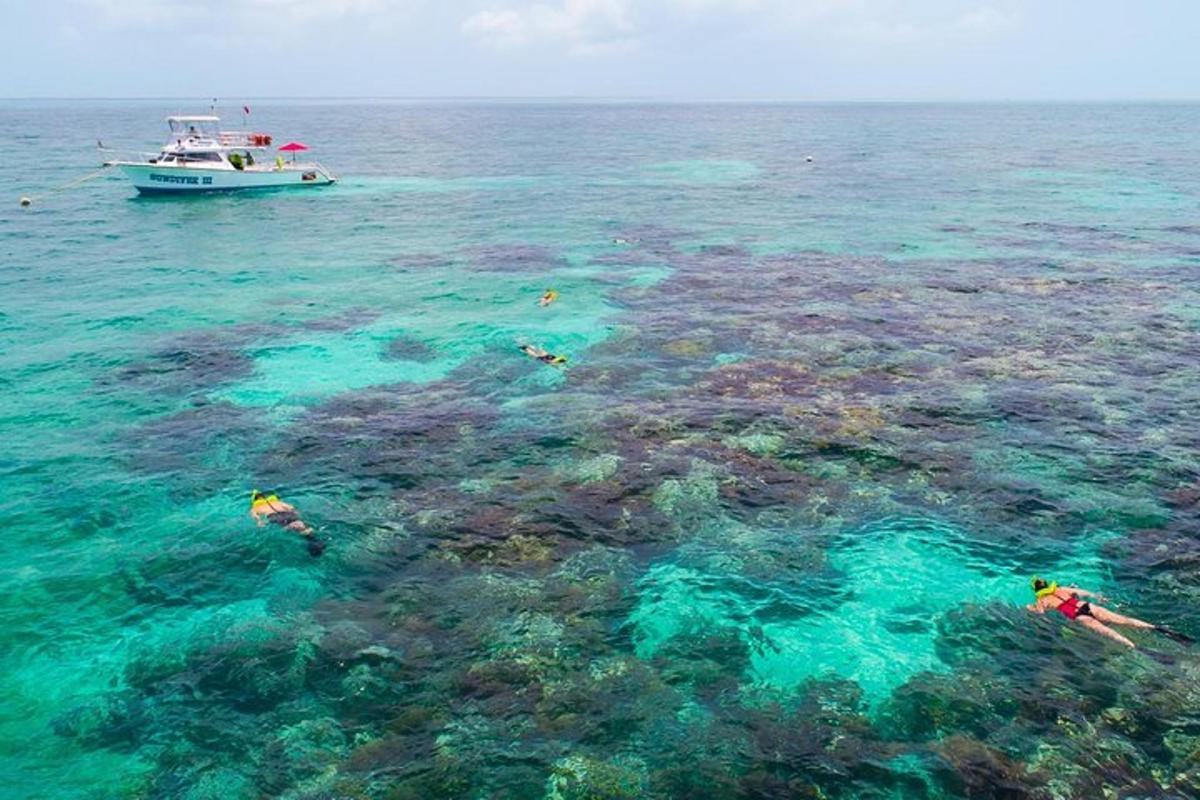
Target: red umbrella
(293, 148)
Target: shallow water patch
(703, 171)
(410, 346)
(872, 619)
(392, 185)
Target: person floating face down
(1049, 596)
(266, 508)
(544, 356)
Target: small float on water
(200, 157)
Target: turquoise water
(767, 534)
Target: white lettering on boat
(189, 179)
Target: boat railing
(244, 139)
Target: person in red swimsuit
(1065, 600)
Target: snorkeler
(544, 356)
(547, 298)
(269, 508)
(1065, 600)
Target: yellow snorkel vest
(1049, 590)
(265, 500)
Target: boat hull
(158, 179)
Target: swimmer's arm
(1036, 608)
(1084, 592)
(258, 517)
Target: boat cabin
(218, 158)
(199, 141)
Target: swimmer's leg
(1103, 630)
(1112, 618)
(315, 545)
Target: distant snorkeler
(544, 356)
(1065, 600)
(547, 298)
(269, 508)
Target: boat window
(203, 156)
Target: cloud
(145, 14)
(308, 10)
(979, 22)
(504, 28)
(762, 8)
(591, 27)
(581, 27)
(205, 17)
(576, 27)
(860, 21)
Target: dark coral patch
(197, 361)
(408, 348)
(198, 449)
(422, 261)
(348, 320)
(513, 258)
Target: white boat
(200, 157)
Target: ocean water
(767, 534)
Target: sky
(654, 49)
